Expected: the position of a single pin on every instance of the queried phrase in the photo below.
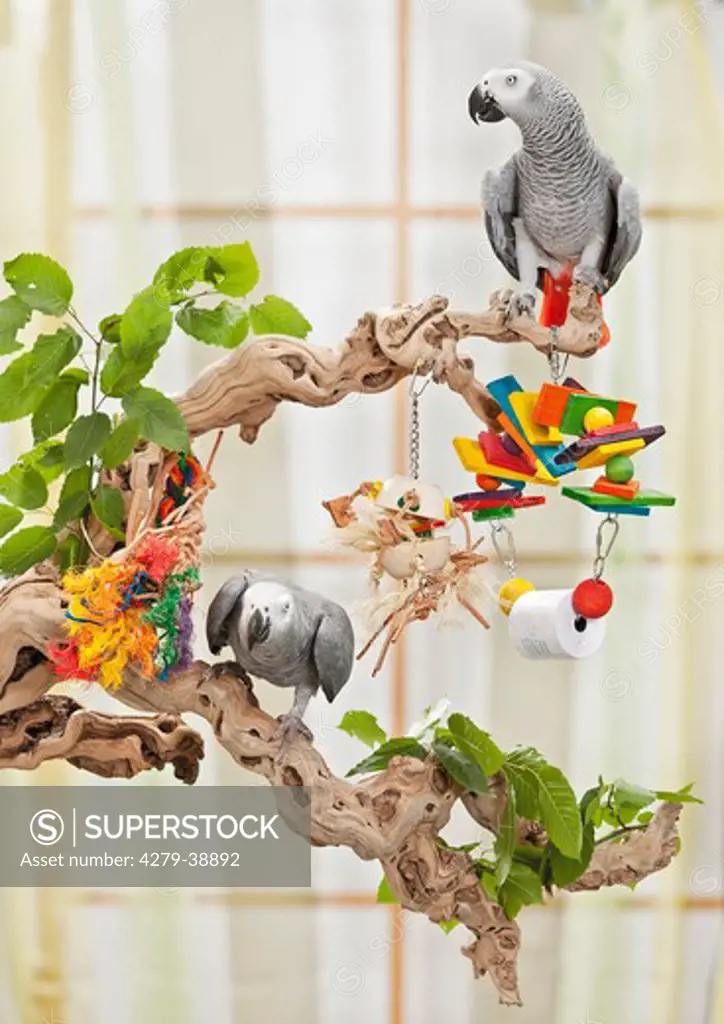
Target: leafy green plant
(512, 874)
(83, 389)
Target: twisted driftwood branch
(58, 727)
(395, 816)
(384, 347)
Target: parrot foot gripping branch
(103, 590)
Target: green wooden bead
(619, 469)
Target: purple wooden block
(585, 445)
(511, 446)
(499, 495)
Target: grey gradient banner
(230, 836)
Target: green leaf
(40, 282)
(25, 548)
(85, 438)
(120, 374)
(448, 926)
(74, 496)
(558, 808)
(277, 316)
(47, 458)
(234, 270)
(645, 817)
(9, 518)
(401, 746)
(525, 786)
(460, 767)
(14, 314)
(678, 796)
(490, 886)
(181, 271)
(68, 553)
(363, 726)
(23, 383)
(109, 509)
(626, 794)
(505, 841)
(385, 893)
(590, 802)
(227, 325)
(145, 325)
(567, 869)
(522, 888)
(159, 419)
(477, 744)
(120, 444)
(58, 406)
(24, 486)
(110, 328)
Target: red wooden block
(615, 428)
(496, 454)
(525, 501)
(627, 491)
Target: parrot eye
(511, 79)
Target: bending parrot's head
(522, 92)
(268, 613)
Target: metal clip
(606, 535)
(504, 545)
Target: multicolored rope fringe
(136, 612)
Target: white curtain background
(334, 136)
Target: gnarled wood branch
(57, 727)
(395, 816)
(385, 347)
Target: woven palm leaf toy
(133, 608)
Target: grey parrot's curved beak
(258, 629)
(483, 106)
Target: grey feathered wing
(500, 204)
(625, 233)
(333, 649)
(226, 601)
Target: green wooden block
(481, 514)
(644, 499)
(576, 408)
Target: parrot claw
(290, 727)
(519, 304)
(591, 277)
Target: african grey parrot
(286, 635)
(558, 201)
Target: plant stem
(619, 832)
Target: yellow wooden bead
(511, 591)
(596, 418)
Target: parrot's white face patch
(511, 88)
(267, 610)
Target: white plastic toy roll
(543, 625)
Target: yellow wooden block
(523, 403)
(600, 456)
(471, 455)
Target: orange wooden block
(605, 486)
(625, 412)
(548, 410)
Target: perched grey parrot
(558, 203)
(286, 635)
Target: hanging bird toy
(402, 524)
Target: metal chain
(557, 362)
(504, 545)
(606, 535)
(414, 438)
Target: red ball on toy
(592, 599)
